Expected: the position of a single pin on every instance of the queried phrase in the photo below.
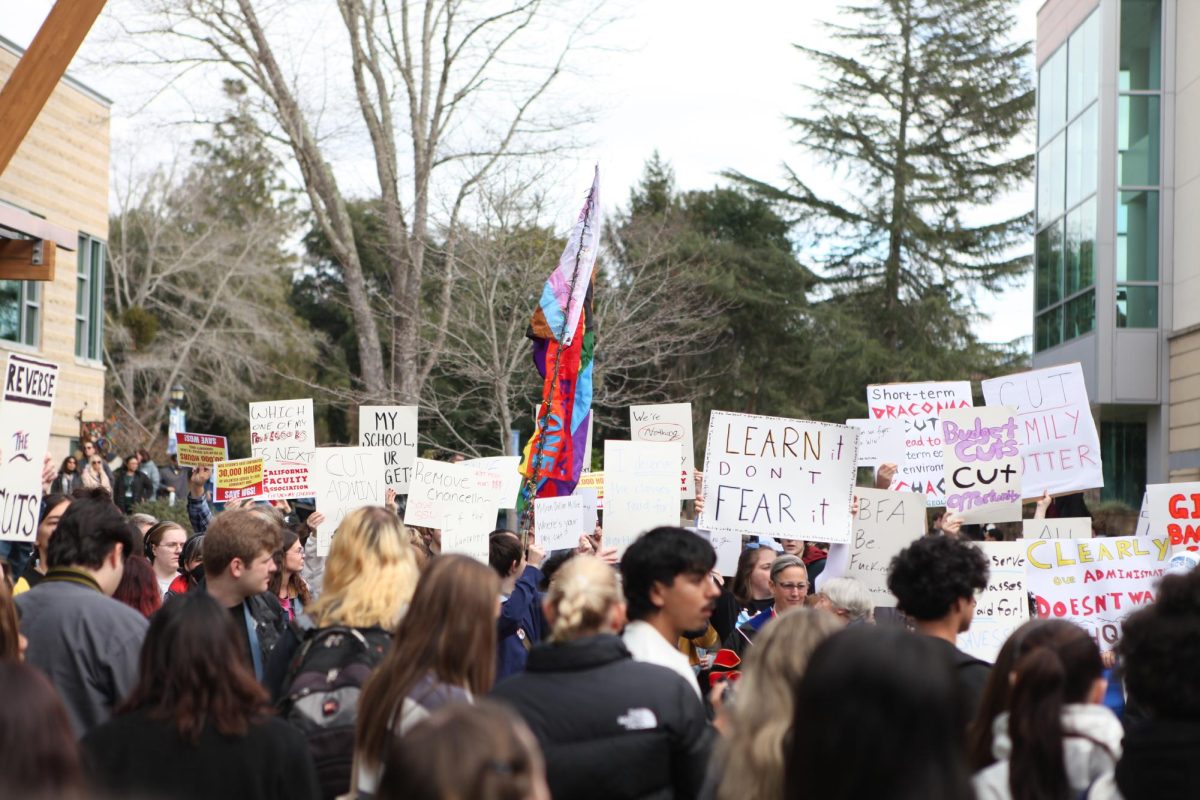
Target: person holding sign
(936, 580)
(522, 624)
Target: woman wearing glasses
(789, 587)
(164, 543)
(96, 475)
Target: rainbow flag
(563, 347)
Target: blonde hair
(582, 594)
(370, 573)
(753, 756)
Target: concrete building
(1117, 249)
(56, 189)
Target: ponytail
(582, 594)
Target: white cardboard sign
(26, 415)
(668, 422)
(1059, 444)
(1173, 510)
(983, 464)
(559, 521)
(343, 479)
(1057, 528)
(773, 476)
(881, 442)
(283, 435)
(508, 470)
(1003, 607)
(641, 489)
(887, 522)
(392, 429)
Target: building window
(1067, 164)
(1138, 164)
(1123, 459)
(20, 312)
(89, 298)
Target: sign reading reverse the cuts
(983, 465)
(641, 489)
(918, 407)
(460, 501)
(393, 429)
(1095, 583)
(1003, 607)
(887, 522)
(238, 480)
(200, 449)
(26, 414)
(1173, 510)
(282, 434)
(1057, 528)
(345, 478)
(1060, 448)
(668, 422)
(773, 476)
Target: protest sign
(282, 435)
(1142, 527)
(1003, 607)
(1095, 583)
(343, 479)
(559, 522)
(393, 429)
(1057, 528)
(1055, 430)
(887, 522)
(641, 489)
(26, 414)
(238, 480)
(778, 477)
(508, 470)
(595, 482)
(668, 422)
(918, 407)
(728, 547)
(588, 508)
(983, 464)
(1173, 510)
(461, 501)
(200, 449)
(881, 442)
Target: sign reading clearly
(393, 429)
(200, 449)
(983, 465)
(343, 479)
(26, 414)
(1055, 430)
(641, 488)
(238, 480)
(772, 476)
(668, 422)
(1003, 607)
(282, 435)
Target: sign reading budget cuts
(668, 422)
(919, 407)
(983, 464)
(779, 477)
(343, 479)
(1095, 583)
(200, 449)
(1060, 448)
(282, 434)
(26, 413)
(393, 430)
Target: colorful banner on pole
(26, 415)
(668, 422)
(283, 435)
(238, 480)
(983, 464)
(200, 449)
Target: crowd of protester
(147, 659)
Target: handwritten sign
(887, 522)
(789, 478)
(1003, 607)
(641, 489)
(1095, 583)
(282, 435)
(1142, 527)
(1059, 528)
(1057, 435)
(238, 480)
(983, 463)
(1173, 510)
(668, 422)
(200, 449)
(595, 482)
(559, 521)
(392, 429)
(343, 479)
(26, 414)
(589, 504)
(508, 470)
(461, 501)
(918, 407)
(881, 442)
(728, 547)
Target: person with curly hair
(936, 581)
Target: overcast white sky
(706, 82)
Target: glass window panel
(1052, 95)
(1137, 140)
(1080, 315)
(1048, 327)
(1080, 271)
(1141, 45)
(1049, 265)
(1083, 72)
(97, 315)
(10, 310)
(1137, 306)
(1051, 179)
(32, 323)
(1083, 157)
(1137, 236)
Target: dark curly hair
(1156, 641)
(929, 575)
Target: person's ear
(550, 612)
(658, 594)
(116, 556)
(236, 568)
(617, 617)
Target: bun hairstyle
(583, 593)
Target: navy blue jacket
(522, 624)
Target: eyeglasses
(176, 546)
(793, 587)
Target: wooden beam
(40, 70)
(27, 259)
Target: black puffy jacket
(611, 728)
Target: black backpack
(321, 692)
